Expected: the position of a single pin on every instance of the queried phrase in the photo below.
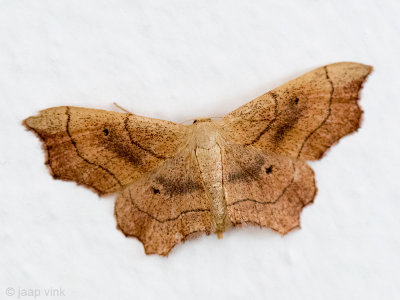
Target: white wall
(178, 60)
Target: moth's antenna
(186, 121)
(217, 118)
(121, 108)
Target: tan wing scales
(305, 116)
(266, 189)
(101, 149)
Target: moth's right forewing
(304, 117)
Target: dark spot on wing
(178, 187)
(287, 121)
(248, 172)
(268, 170)
(116, 141)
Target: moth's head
(200, 120)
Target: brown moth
(175, 181)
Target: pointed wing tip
(27, 123)
(367, 69)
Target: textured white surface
(179, 60)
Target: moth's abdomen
(210, 164)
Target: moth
(175, 181)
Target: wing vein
(136, 143)
(80, 155)
(326, 117)
(269, 202)
(274, 96)
(167, 219)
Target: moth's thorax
(206, 133)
